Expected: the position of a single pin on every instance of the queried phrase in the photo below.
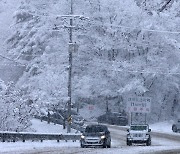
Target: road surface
(161, 144)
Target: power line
(139, 28)
(95, 64)
(122, 63)
(12, 65)
(59, 28)
(131, 71)
(12, 60)
(108, 25)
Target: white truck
(139, 134)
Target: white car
(96, 135)
(139, 134)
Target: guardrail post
(14, 138)
(49, 117)
(3, 137)
(23, 138)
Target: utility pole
(71, 48)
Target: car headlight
(103, 137)
(82, 136)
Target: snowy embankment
(165, 126)
(44, 127)
(39, 127)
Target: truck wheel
(109, 145)
(129, 143)
(82, 146)
(104, 145)
(174, 128)
(148, 143)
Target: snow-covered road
(161, 144)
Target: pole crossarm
(72, 16)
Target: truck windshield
(138, 127)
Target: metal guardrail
(14, 136)
(19, 136)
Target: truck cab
(139, 133)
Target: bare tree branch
(165, 5)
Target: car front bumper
(92, 142)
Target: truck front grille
(138, 135)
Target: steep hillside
(123, 49)
(10, 70)
(7, 10)
(112, 53)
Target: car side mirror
(127, 130)
(149, 130)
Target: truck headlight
(103, 137)
(82, 136)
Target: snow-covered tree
(129, 47)
(15, 110)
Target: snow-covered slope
(43, 127)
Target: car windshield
(138, 127)
(94, 129)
